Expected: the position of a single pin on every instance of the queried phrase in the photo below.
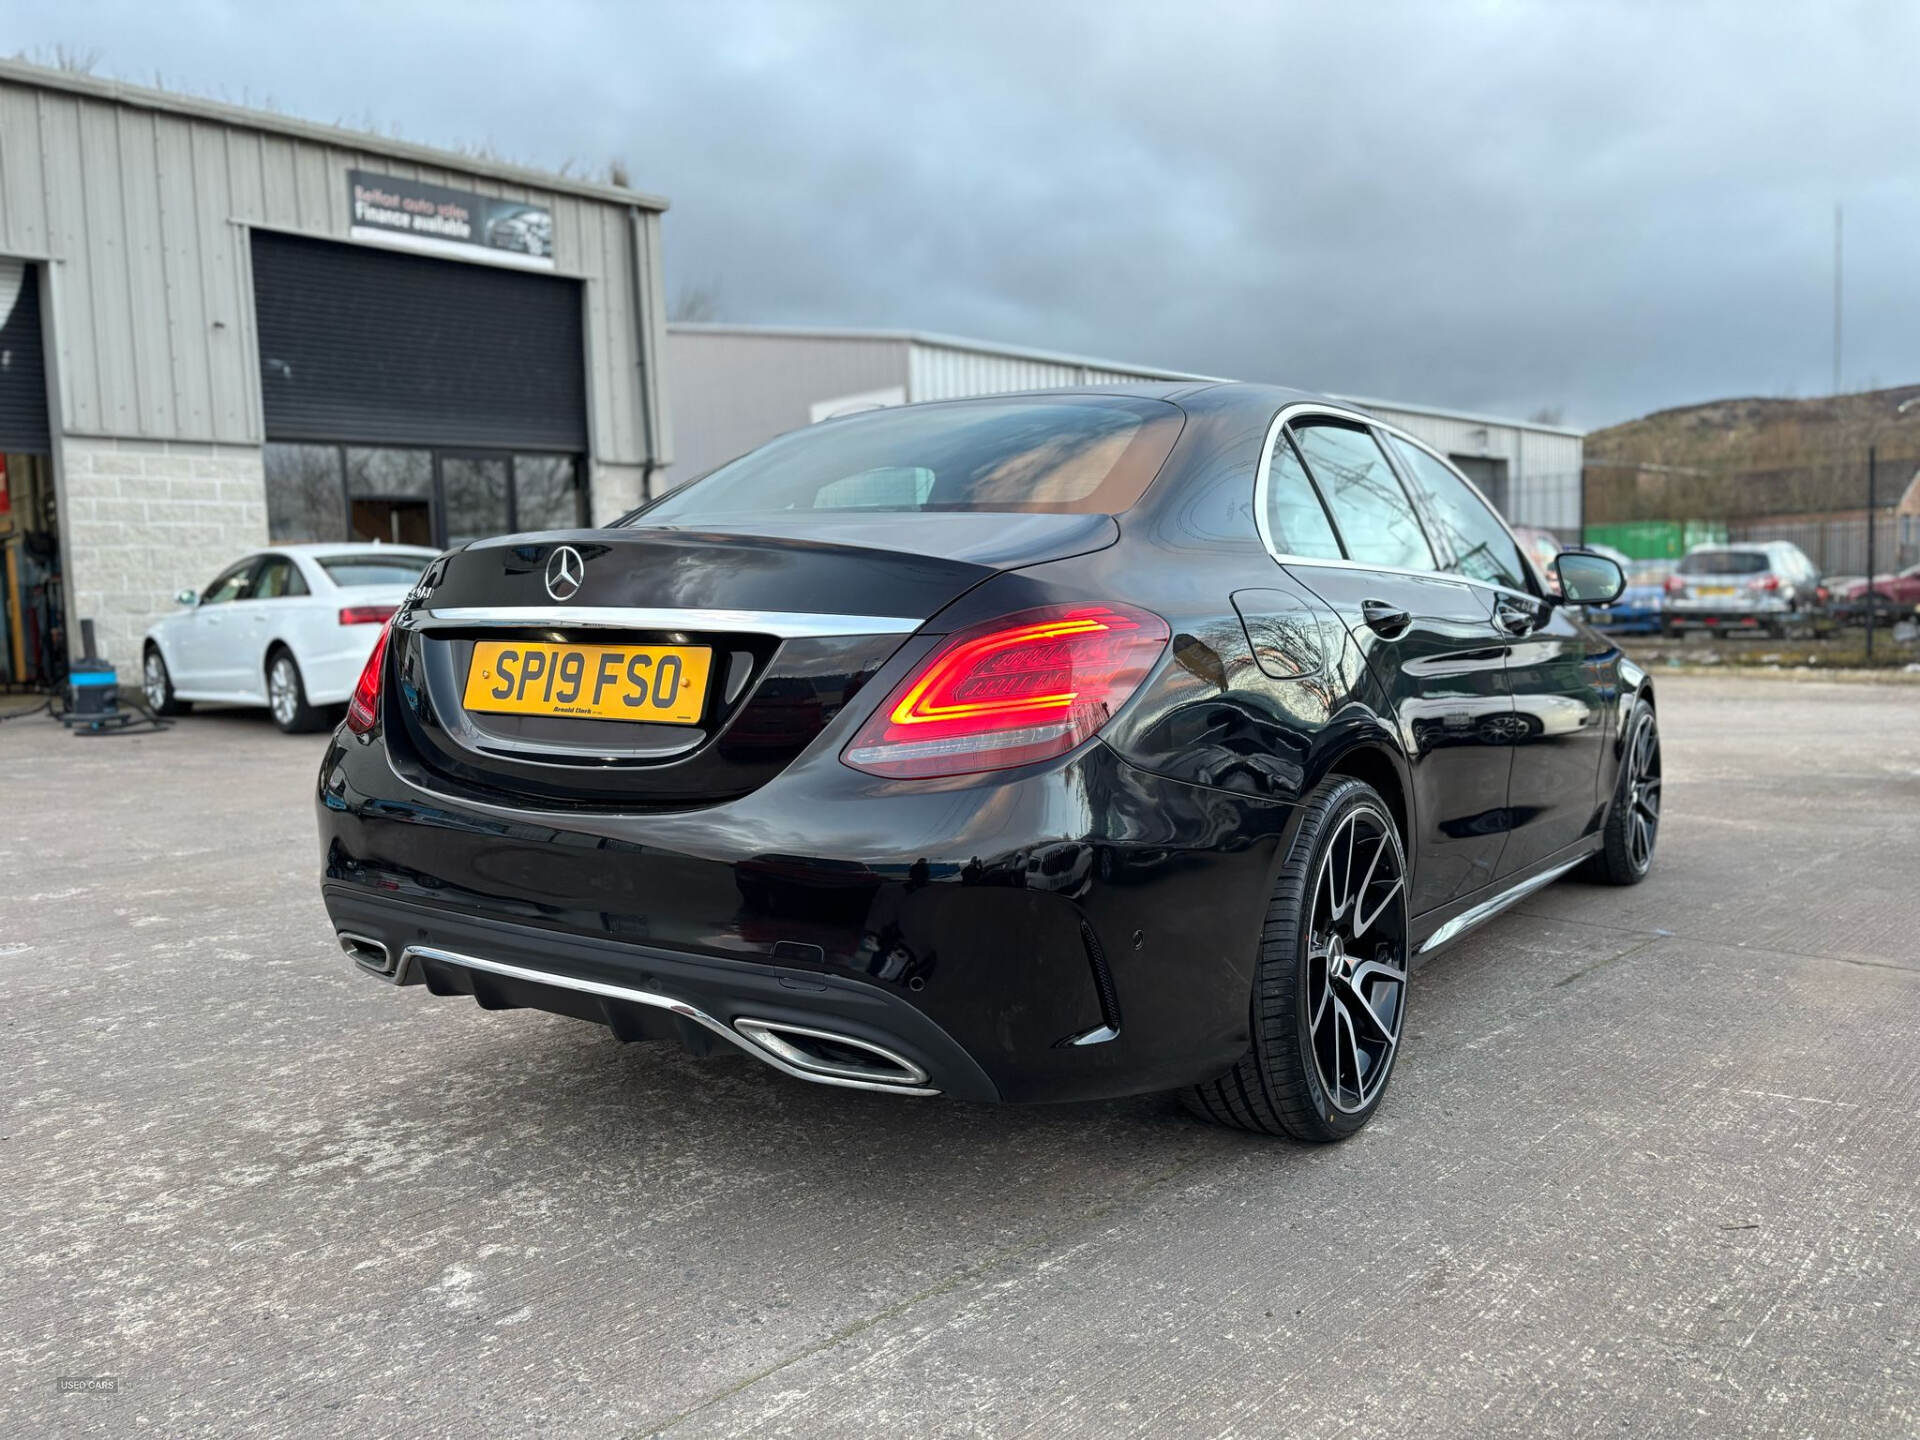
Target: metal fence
(1839, 547)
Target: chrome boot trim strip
(788, 625)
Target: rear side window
(278, 580)
(1060, 456)
(1725, 562)
(1296, 520)
(1375, 517)
(352, 571)
(1478, 544)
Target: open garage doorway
(33, 654)
(414, 400)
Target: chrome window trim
(788, 625)
(1302, 408)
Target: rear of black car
(769, 766)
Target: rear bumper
(1078, 931)
(646, 994)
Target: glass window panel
(1478, 542)
(351, 571)
(1375, 516)
(390, 472)
(393, 522)
(230, 585)
(475, 491)
(279, 579)
(1056, 456)
(1725, 562)
(895, 487)
(305, 500)
(546, 492)
(1295, 517)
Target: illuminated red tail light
(1675, 585)
(1022, 688)
(363, 710)
(366, 614)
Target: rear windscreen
(1725, 562)
(352, 571)
(1069, 455)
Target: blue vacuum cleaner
(93, 696)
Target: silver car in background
(1765, 585)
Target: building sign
(440, 221)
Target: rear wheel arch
(1380, 768)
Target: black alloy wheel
(1330, 992)
(1633, 821)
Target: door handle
(1384, 619)
(1514, 619)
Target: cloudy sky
(1603, 209)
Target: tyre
(287, 696)
(1330, 983)
(156, 685)
(1633, 820)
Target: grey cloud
(1606, 208)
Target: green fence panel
(1656, 539)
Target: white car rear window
(353, 571)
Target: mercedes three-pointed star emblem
(565, 571)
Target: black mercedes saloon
(1047, 746)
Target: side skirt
(1451, 922)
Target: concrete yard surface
(1650, 1164)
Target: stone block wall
(144, 519)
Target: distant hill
(1753, 456)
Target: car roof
(1772, 547)
(320, 549)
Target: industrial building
(737, 386)
(223, 327)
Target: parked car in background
(1540, 547)
(1642, 606)
(1764, 586)
(1894, 596)
(289, 628)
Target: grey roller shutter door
(361, 344)
(23, 378)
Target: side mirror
(1588, 579)
(187, 597)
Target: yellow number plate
(1716, 590)
(666, 684)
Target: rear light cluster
(1018, 689)
(1766, 583)
(366, 614)
(1675, 585)
(363, 710)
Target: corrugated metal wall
(143, 210)
(735, 389)
(1543, 466)
(944, 372)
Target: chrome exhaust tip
(829, 1055)
(366, 952)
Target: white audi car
(288, 628)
